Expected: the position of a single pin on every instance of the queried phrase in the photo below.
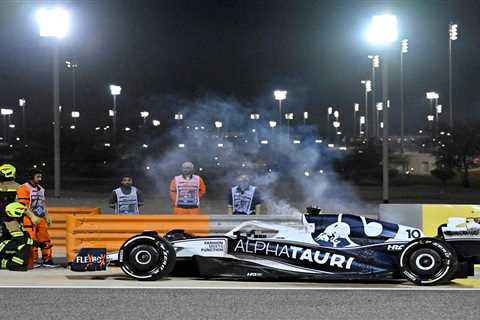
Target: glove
(35, 219)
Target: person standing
(244, 198)
(126, 199)
(32, 195)
(186, 190)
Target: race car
(324, 247)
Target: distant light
(381, 124)
(200, 169)
(218, 163)
(375, 61)
(111, 113)
(53, 22)
(318, 141)
(156, 123)
(367, 84)
(127, 129)
(72, 127)
(272, 124)
(289, 116)
(147, 167)
(196, 128)
(432, 95)
(339, 132)
(254, 116)
(439, 108)
(297, 142)
(43, 164)
(453, 32)
(253, 130)
(331, 145)
(280, 95)
(181, 145)
(430, 117)
(220, 145)
(383, 29)
(343, 148)
(404, 45)
(178, 116)
(307, 174)
(356, 107)
(336, 124)
(22, 102)
(264, 142)
(218, 124)
(336, 114)
(420, 131)
(115, 90)
(246, 141)
(145, 146)
(362, 120)
(243, 165)
(321, 171)
(144, 114)
(97, 128)
(11, 126)
(448, 134)
(106, 145)
(75, 114)
(6, 112)
(330, 110)
(305, 115)
(18, 139)
(215, 158)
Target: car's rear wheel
(428, 261)
(147, 257)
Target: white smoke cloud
(289, 176)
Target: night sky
(316, 50)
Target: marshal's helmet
(15, 210)
(7, 171)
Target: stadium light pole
(383, 31)
(54, 23)
(403, 51)
(356, 108)
(452, 36)
(22, 103)
(375, 65)
(368, 88)
(280, 95)
(114, 91)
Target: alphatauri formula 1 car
(325, 246)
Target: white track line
(245, 288)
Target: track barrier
(110, 231)
(57, 230)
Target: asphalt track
(61, 294)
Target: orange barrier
(59, 224)
(110, 231)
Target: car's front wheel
(428, 261)
(147, 257)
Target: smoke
(289, 176)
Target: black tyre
(428, 261)
(147, 257)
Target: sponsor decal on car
(291, 252)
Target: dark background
(314, 49)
